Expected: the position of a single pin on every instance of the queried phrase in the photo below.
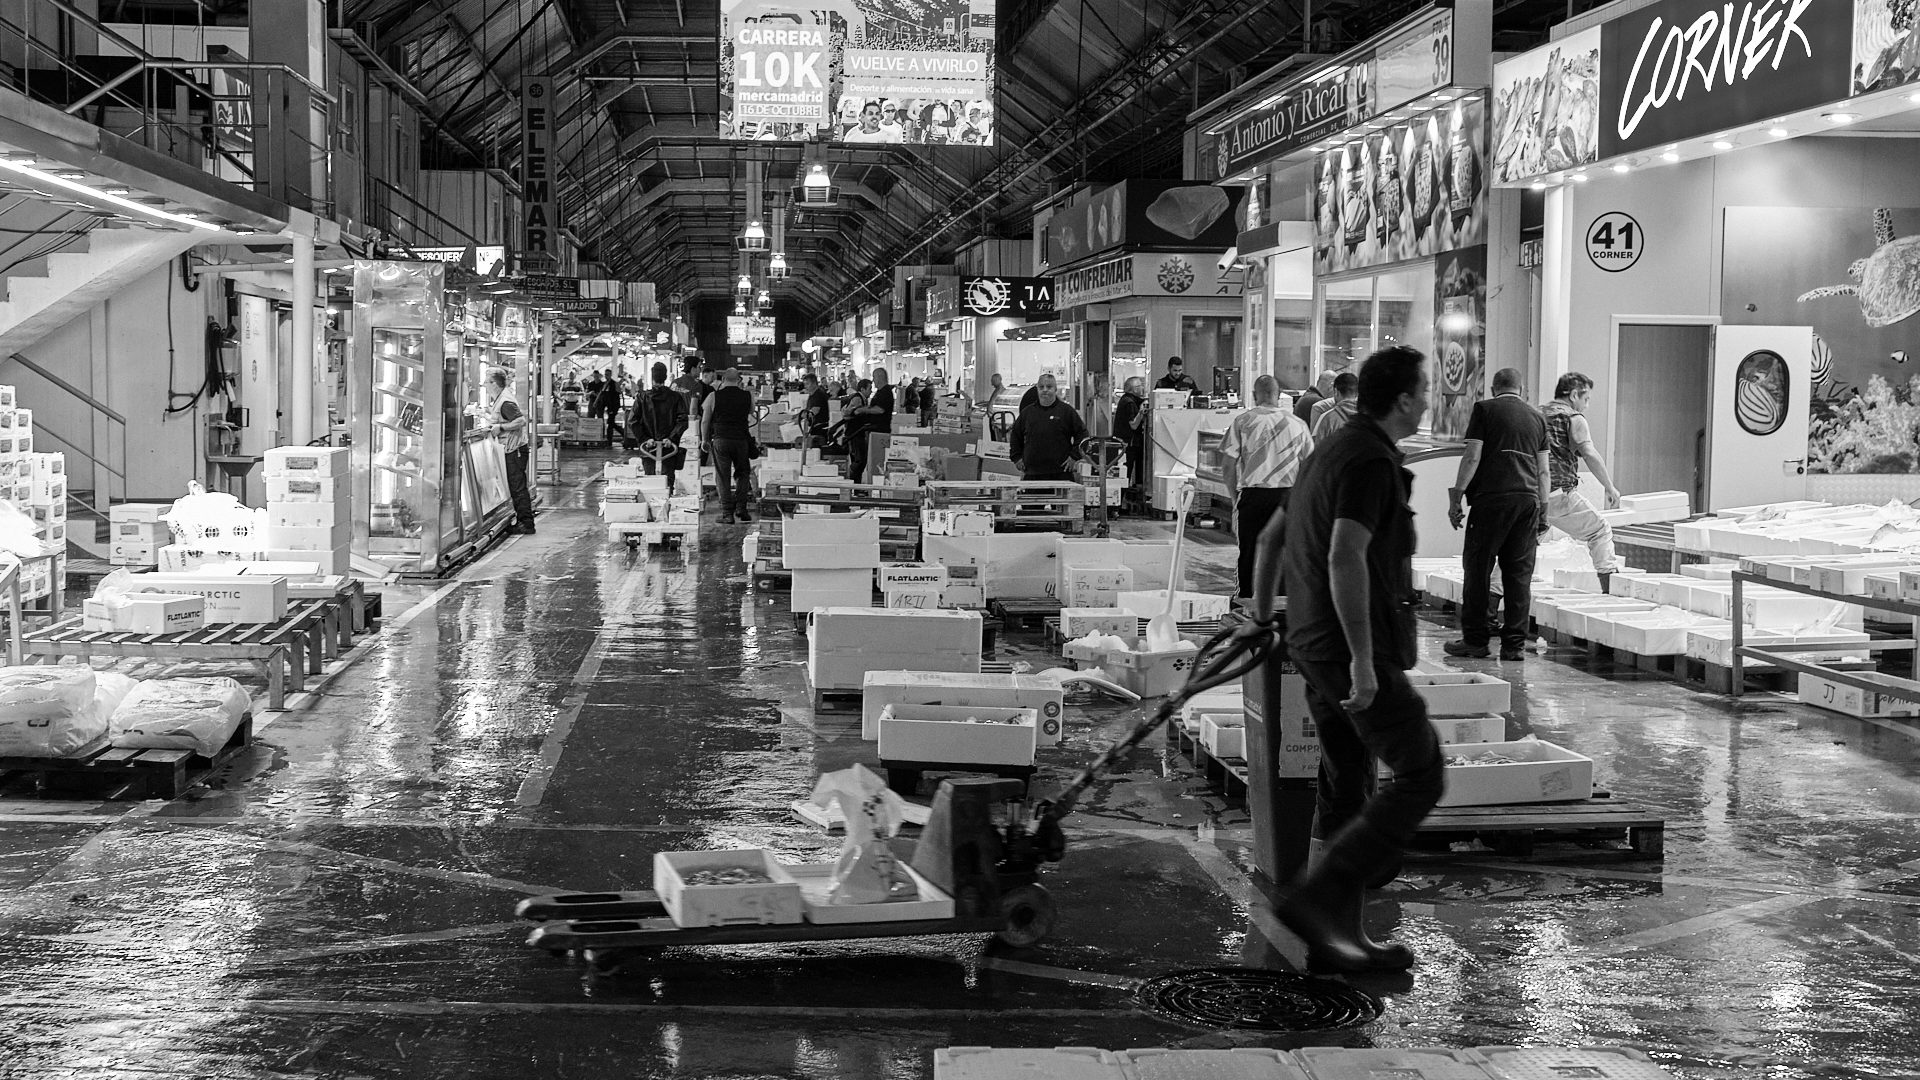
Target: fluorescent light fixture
(1672, 155)
(1722, 144)
(1622, 167)
(1539, 185)
(779, 261)
(1778, 132)
(817, 177)
(755, 231)
(1579, 178)
(10, 164)
(1839, 117)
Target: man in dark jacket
(1130, 418)
(818, 417)
(660, 416)
(1046, 438)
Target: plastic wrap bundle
(55, 711)
(180, 714)
(215, 520)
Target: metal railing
(98, 466)
(222, 117)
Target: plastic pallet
(1244, 1063)
(1560, 1063)
(1059, 1063)
(1414, 1063)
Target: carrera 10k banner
(859, 71)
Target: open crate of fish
(726, 888)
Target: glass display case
(429, 481)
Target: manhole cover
(1263, 1000)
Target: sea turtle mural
(1887, 281)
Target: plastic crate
(1149, 674)
(1059, 1063)
(777, 900)
(1244, 1063)
(1417, 1063)
(1576, 1063)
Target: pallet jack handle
(1229, 654)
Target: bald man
(1263, 450)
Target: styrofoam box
(1848, 577)
(306, 461)
(911, 599)
(801, 601)
(48, 490)
(770, 902)
(1239, 1063)
(912, 576)
(995, 1063)
(147, 613)
(308, 539)
(46, 466)
(180, 558)
(1786, 611)
(1660, 632)
(1409, 1063)
(47, 514)
(956, 522)
(1910, 585)
(296, 571)
(134, 554)
(1462, 693)
(141, 532)
(1224, 734)
(626, 513)
(1096, 586)
(137, 512)
(309, 488)
(308, 515)
(943, 733)
(1883, 585)
(1187, 606)
(1647, 586)
(1853, 701)
(239, 599)
(810, 585)
(1541, 772)
(1043, 695)
(1654, 500)
(333, 561)
(843, 644)
(1715, 645)
(816, 890)
(964, 596)
(1583, 580)
(1453, 730)
(831, 529)
(1078, 622)
(848, 556)
(1149, 674)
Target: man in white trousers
(1569, 442)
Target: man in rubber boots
(1344, 547)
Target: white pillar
(300, 364)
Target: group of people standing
(1338, 541)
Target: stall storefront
(1725, 250)
(1368, 209)
(983, 319)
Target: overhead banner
(749, 329)
(857, 71)
(1410, 191)
(540, 202)
(1681, 69)
(1190, 274)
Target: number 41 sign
(1614, 241)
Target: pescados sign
(1683, 68)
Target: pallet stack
(309, 507)
(832, 558)
(47, 503)
(1016, 505)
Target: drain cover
(1263, 1000)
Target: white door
(1758, 442)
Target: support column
(300, 364)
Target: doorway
(1662, 407)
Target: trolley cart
(983, 845)
(652, 533)
(1107, 454)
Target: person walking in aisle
(509, 425)
(928, 404)
(728, 429)
(1331, 414)
(817, 417)
(1263, 450)
(609, 406)
(1320, 391)
(1345, 550)
(1569, 442)
(1503, 475)
(875, 416)
(1046, 438)
(660, 415)
(1130, 423)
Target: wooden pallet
(836, 701)
(1515, 830)
(115, 773)
(904, 776)
(1023, 614)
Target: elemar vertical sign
(540, 203)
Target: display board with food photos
(1406, 192)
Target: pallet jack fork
(983, 845)
(633, 534)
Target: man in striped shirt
(1264, 448)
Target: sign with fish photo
(1409, 192)
(1546, 109)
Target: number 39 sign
(1614, 242)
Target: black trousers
(517, 485)
(1503, 529)
(733, 473)
(1366, 827)
(1255, 508)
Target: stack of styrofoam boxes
(630, 494)
(832, 557)
(1465, 706)
(47, 495)
(779, 466)
(845, 643)
(309, 507)
(1041, 693)
(913, 585)
(138, 533)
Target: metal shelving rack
(1778, 655)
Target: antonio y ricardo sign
(1411, 191)
(856, 71)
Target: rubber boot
(1605, 580)
(1324, 912)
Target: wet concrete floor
(339, 903)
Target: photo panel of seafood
(1407, 192)
(1546, 109)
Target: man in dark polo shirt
(1503, 475)
(1344, 547)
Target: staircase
(89, 533)
(46, 294)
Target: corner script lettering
(1690, 56)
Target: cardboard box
(148, 512)
(147, 613)
(849, 556)
(949, 734)
(235, 599)
(1854, 701)
(1297, 749)
(1078, 622)
(1541, 772)
(900, 576)
(1224, 734)
(48, 514)
(134, 554)
(1187, 606)
(1462, 693)
(306, 461)
(308, 515)
(879, 689)
(47, 491)
(1096, 586)
(154, 533)
(844, 643)
(320, 539)
(309, 488)
(46, 467)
